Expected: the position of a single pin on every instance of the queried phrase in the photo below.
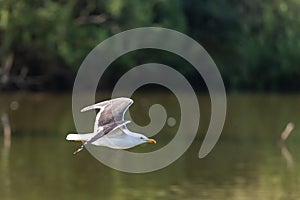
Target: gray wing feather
(110, 111)
(106, 130)
(96, 127)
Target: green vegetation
(254, 43)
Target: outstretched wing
(106, 129)
(110, 111)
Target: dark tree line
(254, 43)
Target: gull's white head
(140, 139)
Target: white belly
(121, 142)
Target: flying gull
(110, 127)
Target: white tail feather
(80, 137)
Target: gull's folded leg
(78, 150)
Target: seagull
(110, 127)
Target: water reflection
(5, 171)
(282, 144)
(245, 164)
(5, 153)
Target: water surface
(246, 163)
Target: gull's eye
(141, 138)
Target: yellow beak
(152, 141)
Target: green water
(246, 163)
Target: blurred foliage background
(254, 43)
